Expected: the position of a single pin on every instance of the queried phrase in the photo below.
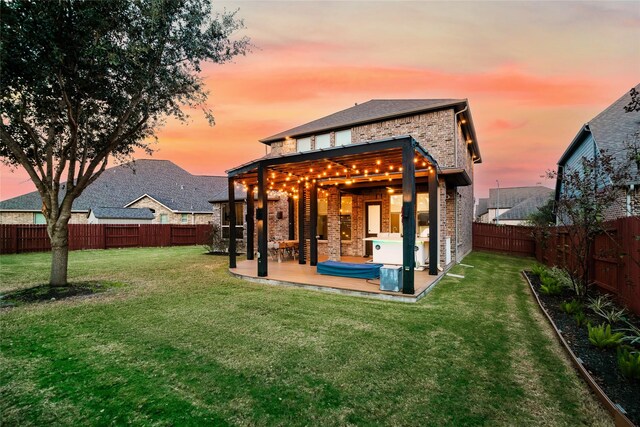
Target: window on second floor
(323, 141)
(184, 218)
(343, 137)
(303, 144)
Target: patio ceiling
(351, 165)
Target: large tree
(83, 82)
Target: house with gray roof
(160, 187)
(512, 205)
(347, 176)
(617, 132)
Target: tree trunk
(59, 236)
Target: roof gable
(610, 129)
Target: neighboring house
(352, 169)
(120, 216)
(512, 205)
(172, 194)
(611, 130)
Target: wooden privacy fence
(513, 239)
(18, 238)
(614, 266)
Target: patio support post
(232, 224)
(292, 222)
(313, 224)
(433, 221)
(408, 217)
(301, 240)
(250, 218)
(263, 221)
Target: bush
(602, 337)
(580, 318)
(632, 334)
(604, 307)
(549, 285)
(571, 307)
(538, 269)
(562, 277)
(629, 363)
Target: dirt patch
(46, 293)
(602, 364)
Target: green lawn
(186, 344)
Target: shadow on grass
(44, 293)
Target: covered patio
(393, 164)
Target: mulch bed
(601, 364)
(46, 293)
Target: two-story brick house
(358, 172)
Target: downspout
(455, 158)
(629, 191)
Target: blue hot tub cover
(348, 269)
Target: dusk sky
(533, 74)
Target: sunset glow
(533, 74)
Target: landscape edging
(620, 419)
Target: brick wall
(172, 217)
(7, 217)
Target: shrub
(538, 269)
(632, 334)
(580, 318)
(629, 363)
(549, 285)
(562, 277)
(599, 303)
(604, 307)
(602, 337)
(571, 307)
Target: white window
(343, 137)
(184, 218)
(164, 219)
(323, 141)
(304, 144)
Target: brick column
(333, 224)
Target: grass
(186, 344)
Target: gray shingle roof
(511, 196)
(610, 129)
(118, 186)
(483, 206)
(122, 213)
(525, 208)
(373, 110)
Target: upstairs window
(343, 137)
(323, 141)
(184, 218)
(304, 144)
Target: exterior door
(373, 221)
